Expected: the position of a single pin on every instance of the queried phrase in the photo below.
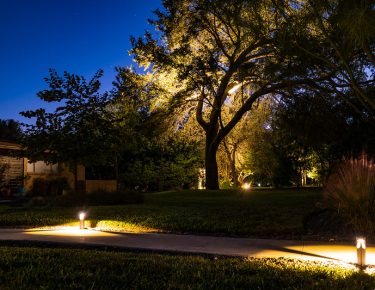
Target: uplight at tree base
(361, 252)
(246, 186)
(82, 220)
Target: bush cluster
(48, 187)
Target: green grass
(261, 213)
(43, 268)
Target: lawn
(259, 213)
(47, 268)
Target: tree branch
(199, 112)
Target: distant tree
(136, 122)
(154, 155)
(78, 131)
(234, 149)
(263, 156)
(132, 104)
(323, 125)
(10, 130)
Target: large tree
(214, 49)
(77, 131)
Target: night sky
(79, 36)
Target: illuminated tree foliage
(235, 147)
(215, 49)
(132, 115)
(152, 157)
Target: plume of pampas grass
(351, 192)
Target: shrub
(351, 192)
(39, 187)
(48, 186)
(164, 165)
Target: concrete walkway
(244, 247)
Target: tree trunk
(233, 168)
(117, 175)
(212, 176)
(75, 176)
(232, 161)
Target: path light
(246, 186)
(361, 252)
(82, 220)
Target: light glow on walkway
(322, 252)
(67, 232)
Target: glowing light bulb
(82, 220)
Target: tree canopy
(220, 51)
(336, 37)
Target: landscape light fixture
(81, 220)
(246, 186)
(361, 252)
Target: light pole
(361, 252)
(81, 220)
